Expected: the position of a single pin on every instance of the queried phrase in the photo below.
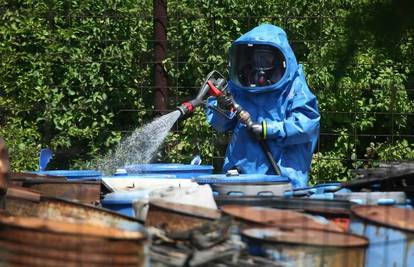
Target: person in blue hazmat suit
(266, 80)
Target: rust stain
(306, 237)
(178, 217)
(26, 176)
(19, 204)
(38, 242)
(389, 216)
(278, 217)
(83, 191)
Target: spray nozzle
(214, 78)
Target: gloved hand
(224, 102)
(257, 130)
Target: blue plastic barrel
(74, 174)
(241, 178)
(142, 176)
(179, 170)
(122, 201)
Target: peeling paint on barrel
(37, 242)
(390, 231)
(65, 210)
(256, 216)
(306, 248)
(175, 218)
(83, 191)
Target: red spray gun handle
(242, 115)
(214, 91)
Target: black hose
(269, 156)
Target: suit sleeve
(301, 124)
(221, 120)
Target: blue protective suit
(289, 108)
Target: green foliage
(334, 165)
(399, 150)
(69, 68)
(22, 142)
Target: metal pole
(160, 49)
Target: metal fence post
(160, 49)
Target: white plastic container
(143, 182)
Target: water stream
(141, 146)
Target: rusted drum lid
(307, 237)
(36, 224)
(277, 217)
(385, 215)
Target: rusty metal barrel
(390, 231)
(23, 202)
(83, 191)
(261, 216)
(337, 211)
(306, 247)
(176, 218)
(38, 242)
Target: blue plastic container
(121, 201)
(179, 170)
(240, 179)
(143, 176)
(74, 174)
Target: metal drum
(246, 184)
(337, 211)
(22, 202)
(256, 216)
(82, 191)
(197, 195)
(306, 248)
(37, 242)
(176, 218)
(390, 231)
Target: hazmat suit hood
(267, 34)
